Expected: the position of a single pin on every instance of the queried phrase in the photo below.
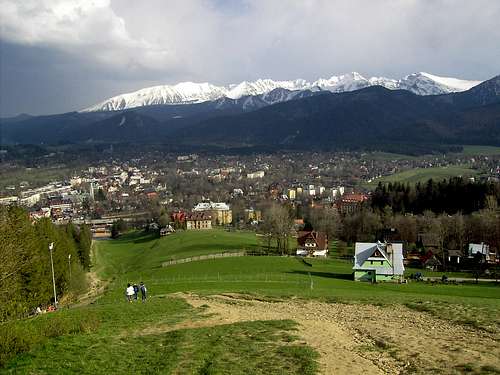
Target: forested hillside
(449, 196)
(25, 270)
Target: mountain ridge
(370, 115)
(367, 118)
(189, 92)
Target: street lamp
(69, 265)
(51, 248)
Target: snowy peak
(453, 83)
(263, 86)
(182, 93)
(189, 92)
(427, 84)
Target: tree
(163, 220)
(479, 264)
(326, 220)
(406, 227)
(25, 270)
(118, 227)
(279, 222)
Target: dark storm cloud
(60, 55)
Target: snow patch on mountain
(189, 92)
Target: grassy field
(144, 252)
(387, 156)
(269, 276)
(481, 150)
(36, 177)
(112, 336)
(423, 174)
(115, 343)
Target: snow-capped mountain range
(189, 92)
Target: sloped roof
(320, 238)
(205, 206)
(198, 216)
(364, 251)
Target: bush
(21, 336)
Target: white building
(8, 200)
(483, 249)
(220, 212)
(258, 174)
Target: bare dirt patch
(96, 288)
(357, 338)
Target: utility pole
(69, 265)
(51, 248)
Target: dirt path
(95, 286)
(355, 339)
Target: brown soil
(96, 287)
(356, 339)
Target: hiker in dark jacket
(143, 291)
(136, 291)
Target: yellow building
(220, 212)
(198, 220)
(253, 215)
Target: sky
(64, 55)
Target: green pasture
(113, 336)
(34, 176)
(137, 251)
(281, 277)
(471, 150)
(388, 156)
(423, 174)
(110, 339)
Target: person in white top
(129, 292)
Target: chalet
(432, 263)
(312, 243)
(198, 220)
(378, 261)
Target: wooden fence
(204, 257)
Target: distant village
(193, 192)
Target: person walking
(129, 292)
(143, 291)
(136, 291)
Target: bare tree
(279, 222)
(326, 220)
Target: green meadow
(113, 336)
(423, 174)
(480, 150)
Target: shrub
(21, 336)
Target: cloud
(89, 28)
(225, 41)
